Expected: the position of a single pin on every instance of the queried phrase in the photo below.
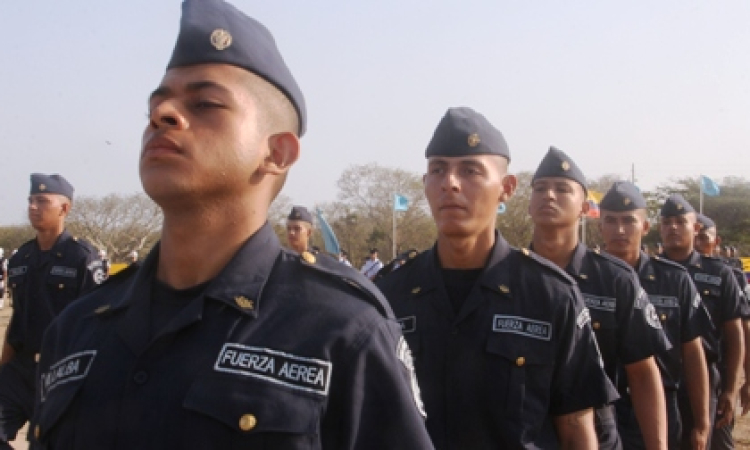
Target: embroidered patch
(297, 372)
(599, 303)
(651, 317)
(67, 272)
(697, 300)
(94, 264)
(71, 368)
(408, 324)
(583, 318)
(641, 300)
(404, 355)
(706, 278)
(16, 271)
(522, 326)
(664, 302)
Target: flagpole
(394, 226)
(700, 185)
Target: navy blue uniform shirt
(44, 283)
(279, 351)
(518, 352)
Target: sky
(663, 87)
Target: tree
(117, 223)
(11, 237)
(515, 224)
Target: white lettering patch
(70, 368)
(404, 355)
(641, 300)
(408, 324)
(16, 271)
(297, 372)
(697, 300)
(68, 272)
(522, 326)
(706, 278)
(583, 318)
(664, 302)
(599, 303)
(651, 317)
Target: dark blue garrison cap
(213, 31)
(51, 184)
(300, 213)
(623, 196)
(463, 132)
(706, 222)
(557, 164)
(676, 205)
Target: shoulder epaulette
(667, 262)
(532, 256)
(614, 260)
(346, 275)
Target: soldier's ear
(283, 152)
(510, 183)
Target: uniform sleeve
(374, 402)
(93, 273)
(639, 331)
(16, 336)
(744, 287)
(579, 380)
(695, 319)
(731, 296)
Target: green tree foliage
(515, 224)
(11, 237)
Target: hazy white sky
(663, 85)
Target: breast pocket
(520, 375)
(242, 412)
(604, 324)
(62, 289)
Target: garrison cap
(676, 205)
(623, 196)
(557, 164)
(213, 31)
(706, 222)
(463, 132)
(51, 184)
(300, 213)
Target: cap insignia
(679, 207)
(626, 201)
(243, 302)
(42, 187)
(565, 165)
(474, 140)
(221, 39)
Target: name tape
(706, 278)
(297, 372)
(61, 271)
(599, 303)
(664, 302)
(71, 368)
(523, 326)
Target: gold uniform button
(248, 422)
(597, 325)
(37, 432)
(520, 361)
(663, 317)
(61, 286)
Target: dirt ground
(741, 431)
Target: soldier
(46, 275)
(504, 352)
(721, 296)
(627, 330)
(706, 241)
(372, 265)
(299, 229)
(623, 224)
(221, 338)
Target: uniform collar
(694, 260)
(644, 267)
(57, 248)
(577, 266)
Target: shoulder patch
(668, 263)
(348, 275)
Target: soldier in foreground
(221, 338)
(503, 348)
(46, 275)
(623, 224)
(627, 330)
(721, 297)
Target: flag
(709, 186)
(501, 208)
(593, 199)
(400, 203)
(329, 237)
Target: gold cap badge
(565, 165)
(626, 201)
(474, 140)
(243, 302)
(42, 187)
(221, 39)
(679, 207)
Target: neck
(630, 256)
(197, 243)
(465, 252)
(47, 238)
(299, 248)
(678, 254)
(556, 244)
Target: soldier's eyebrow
(191, 87)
